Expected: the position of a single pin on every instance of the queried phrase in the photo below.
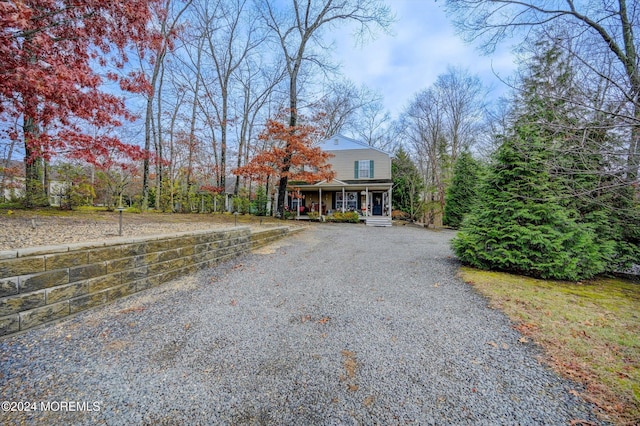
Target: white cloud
(424, 45)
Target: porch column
(366, 201)
(389, 202)
(344, 199)
(319, 202)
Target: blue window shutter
(371, 168)
(355, 169)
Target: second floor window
(363, 169)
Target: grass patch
(590, 331)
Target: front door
(376, 206)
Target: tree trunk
(35, 195)
(147, 148)
(192, 129)
(293, 121)
(223, 138)
(633, 155)
(159, 154)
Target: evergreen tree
(552, 205)
(589, 183)
(462, 193)
(261, 201)
(520, 225)
(408, 185)
(596, 196)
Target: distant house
(13, 182)
(362, 183)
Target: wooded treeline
(199, 83)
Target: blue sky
(422, 46)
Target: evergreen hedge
(519, 224)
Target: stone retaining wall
(44, 284)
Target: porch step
(378, 221)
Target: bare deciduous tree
(375, 126)
(602, 31)
(462, 99)
(439, 123)
(297, 32)
(168, 19)
(257, 81)
(340, 107)
(231, 35)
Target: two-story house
(362, 183)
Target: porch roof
(348, 185)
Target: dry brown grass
(28, 228)
(590, 332)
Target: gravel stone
(340, 324)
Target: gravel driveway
(341, 324)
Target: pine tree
(463, 190)
(520, 225)
(552, 205)
(408, 185)
(261, 201)
(589, 183)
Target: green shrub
(351, 217)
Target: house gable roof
(343, 143)
(330, 182)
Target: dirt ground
(30, 228)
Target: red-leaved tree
(54, 56)
(289, 155)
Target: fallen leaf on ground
(492, 343)
(324, 320)
(350, 363)
(368, 400)
(234, 302)
(579, 422)
(187, 326)
(132, 309)
(353, 388)
(523, 340)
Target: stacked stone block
(44, 284)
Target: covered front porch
(371, 200)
